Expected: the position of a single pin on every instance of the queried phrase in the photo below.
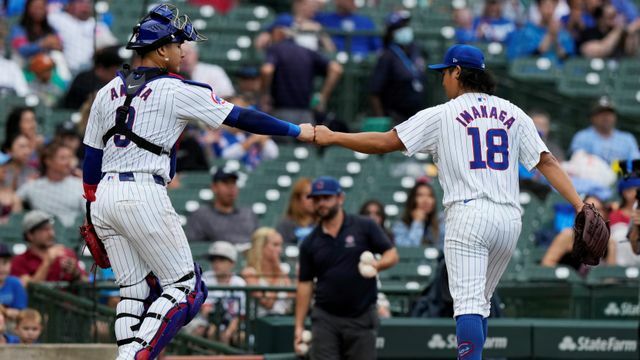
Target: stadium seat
(603, 274)
(533, 70)
(584, 78)
(536, 273)
(379, 124)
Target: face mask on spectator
(403, 36)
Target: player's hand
(306, 133)
(323, 135)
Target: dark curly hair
(476, 80)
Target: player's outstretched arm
(558, 178)
(260, 123)
(365, 142)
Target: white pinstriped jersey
(476, 141)
(159, 114)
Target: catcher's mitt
(95, 245)
(590, 236)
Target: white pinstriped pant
(141, 230)
(480, 237)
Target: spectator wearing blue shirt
(248, 148)
(398, 85)
(12, 294)
(578, 19)
(463, 20)
(5, 337)
(603, 139)
(307, 32)
(627, 9)
(289, 73)
(345, 19)
(548, 39)
(492, 26)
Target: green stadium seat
(379, 124)
(533, 70)
(11, 232)
(603, 274)
(420, 273)
(536, 273)
(584, 78)
(627, 101)
(495, 53)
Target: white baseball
(303, 348)
(367, 270)
(306, 336)
(367, 258)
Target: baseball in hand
(303, 349)
(367, 270)
(367, 258)
(306, 336)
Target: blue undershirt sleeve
(92, 165)
(260, 123)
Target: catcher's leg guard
(129, 311)
(176, 307)
(134, 302)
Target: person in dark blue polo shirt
(288, 76)
(399, 82)
(345, 19)
(344, 318)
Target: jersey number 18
(497, 142)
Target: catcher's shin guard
(179, 315)
(134, 302)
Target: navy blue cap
(283, 20)
(224, 175)
(325, 185)
(398, 19)
(465, 56)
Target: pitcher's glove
(95, 245)
(590, 236)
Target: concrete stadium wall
(59, 352)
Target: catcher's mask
(163, 25)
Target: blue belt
(128, 176)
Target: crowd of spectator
(52, 57)
(555, 29)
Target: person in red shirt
(44, 260)
(627, 191)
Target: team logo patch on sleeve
(217, 99)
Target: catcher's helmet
(162, 25)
